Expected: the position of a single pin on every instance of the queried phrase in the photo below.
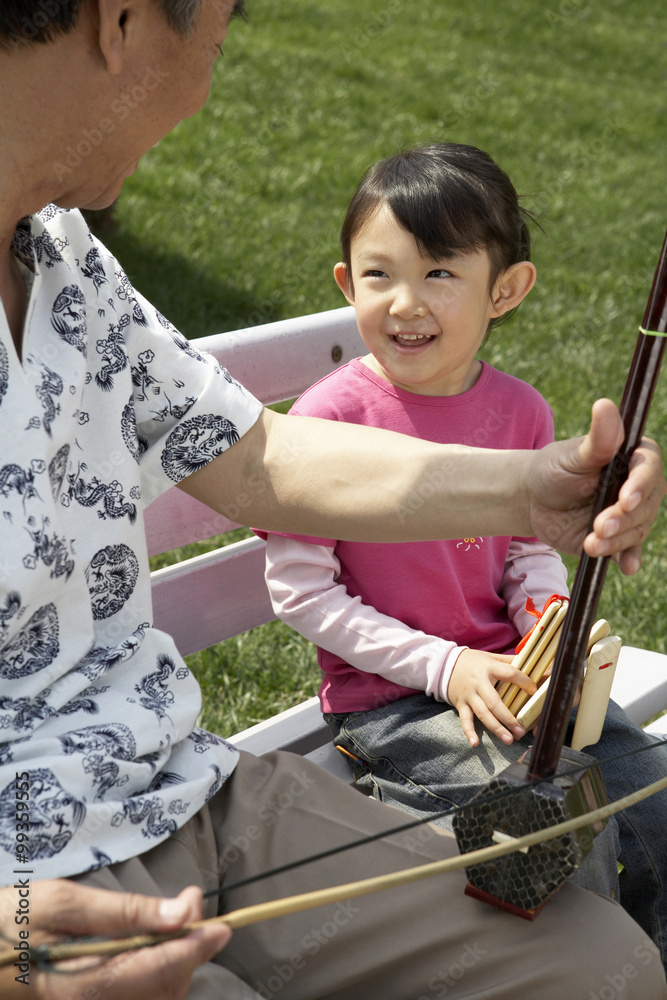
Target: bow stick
(310, 900)
(523, 885)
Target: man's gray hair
(25, 21)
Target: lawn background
(233, 219)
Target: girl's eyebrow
(372, 255)
(379, 256)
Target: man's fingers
(630, 561)
(623, 526)
(645, 468)
(604, 437)
(615, 531)
(163, 971)
(68, 908)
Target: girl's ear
(342, 276)
(512, 286)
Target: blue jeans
(413, 755)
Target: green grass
(233, 219)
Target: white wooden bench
(215, 596)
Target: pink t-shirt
(445, 588)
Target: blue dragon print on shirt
(4, 370)
(11, 607)
(29, 711)
(110, 495)
(13, 477)
(164, 779)
(94, 269)
(55, 814)
(195, 442)
(30, 248)
(99, 659)
(156, 693)
(51, 385)
(57, 469)
(136, 443)
(125, 292)
(204, 741)
(69, 317)
(217, 783)
(142, 378)
(111, 576)
(96, 744)
(113, 354)
(151, 811)
(34, 647)
(52, 551)
(186, 346)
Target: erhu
(560, 783)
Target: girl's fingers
(495, 716)
(467, 720)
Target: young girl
(413, 637)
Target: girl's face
(423, 320)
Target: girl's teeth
(411, 336)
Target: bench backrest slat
(212, 597)
(279, 360)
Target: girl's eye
(439, 272)
(372, 273)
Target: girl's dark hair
(452, 198)
(24, 21)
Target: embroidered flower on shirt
(469, 543)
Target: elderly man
(98, 711)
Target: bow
(48, 954)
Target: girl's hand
(473, 694)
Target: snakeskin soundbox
(510, 807)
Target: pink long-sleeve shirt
(391, 619)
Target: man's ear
(343, 280)
(115, 20)
(512, 286)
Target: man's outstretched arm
(334, 480)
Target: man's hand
(472, 692)
(62, 909)
(562, 484)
